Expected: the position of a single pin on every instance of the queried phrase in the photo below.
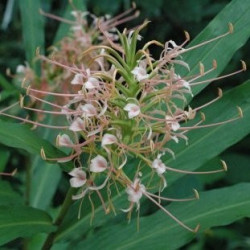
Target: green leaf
(64, 28)
(20, 221)
(20, 136)
(222, 50)
(33, 30)
(215, 208)
(8, 196)
(205, 143)
(44, 183)
(5, 84)
(4, 156)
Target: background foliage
(42, 186)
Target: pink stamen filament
(51, 93)
(53, 112)
(50, 103)
(171, 199)
(169, 214)
(217, 78)
(209, 125)
(35, 123)
(190, 172)
(204, 43)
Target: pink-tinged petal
(78, 172)
(77, 80)
(133, 110)
(88, 110)
(159, 166)
(79, 196)
(20, 69)
(175, 126)
(76, 182)
(140, 73)
(108, 139)
(91, 83)
(79, 177)
(135, 191)
(63, 140)
(77, 125)
(98, 164)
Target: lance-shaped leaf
(33, 29)
(21, 221)
(222, 50)
(215, 208)
(20, 136)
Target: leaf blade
(21, 221)
(214, 208)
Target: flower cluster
(123, 106)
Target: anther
(230, 28)
(244, 66)
(202, 69)
(196, 194)
(203, 117)
(197, 228)
(187, 35)
(220, 92)
(28, 90)
(21, 100)
(214, 64)
(240, 112)
(42, 153)
(224, 165)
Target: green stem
(65, 207)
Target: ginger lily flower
(108, 139)
(133, 110)
(140, 71)
(98, 164)
(77, 80)
(78, 179)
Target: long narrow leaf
(222, 50)
(21, 221)
(33, 29)
(215, 208)
(20, 136)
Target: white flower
(135, 191)
(77, 125)
(88, 110)
(91, 82)
(175, 138)
(77, 80)
(98, 164)
(173, 124)
(63, 140)
(140, 71)
(159, 166)
(78, 179)
(108, 139)
(133, 110)
(20, 69)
